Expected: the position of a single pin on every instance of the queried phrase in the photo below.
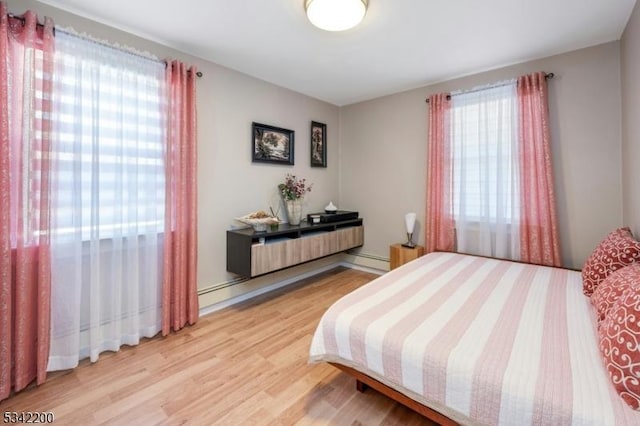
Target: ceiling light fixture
(335, 15)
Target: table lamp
(410, 223)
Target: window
(109, 148)
(108, 199)
(484, 150)
(490, 181)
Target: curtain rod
(547, 76)
(23, 20)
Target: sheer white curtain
(484, 132)
(108, 191)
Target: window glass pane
(109, 144)
(484, 150)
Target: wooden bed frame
(363, 382)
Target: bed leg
(361, 387)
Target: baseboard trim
(222, 285)
(366, 262)
(358, 261)
(362, 268)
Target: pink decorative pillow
(619, 336)
(617, 250)
(612, 287)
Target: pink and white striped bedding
(480, 340)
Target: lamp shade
(335, 15)
(410, 222)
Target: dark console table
(251, 253)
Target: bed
(473, 340)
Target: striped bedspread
(480, 340)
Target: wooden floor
(243, 365)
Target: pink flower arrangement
(294, 188)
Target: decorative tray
(258, 220)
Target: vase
(294, 211)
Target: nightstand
(400, 255)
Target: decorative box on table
(338, 216)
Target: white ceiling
(401, 44)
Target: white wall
(631, 122)
(383, 164)
(230, 185)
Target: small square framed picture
(318, 144)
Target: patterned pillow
(619, 336)
(612, 287)
(618, 249)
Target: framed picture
(318, 144)
(272, 144)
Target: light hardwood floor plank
(246, 364)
